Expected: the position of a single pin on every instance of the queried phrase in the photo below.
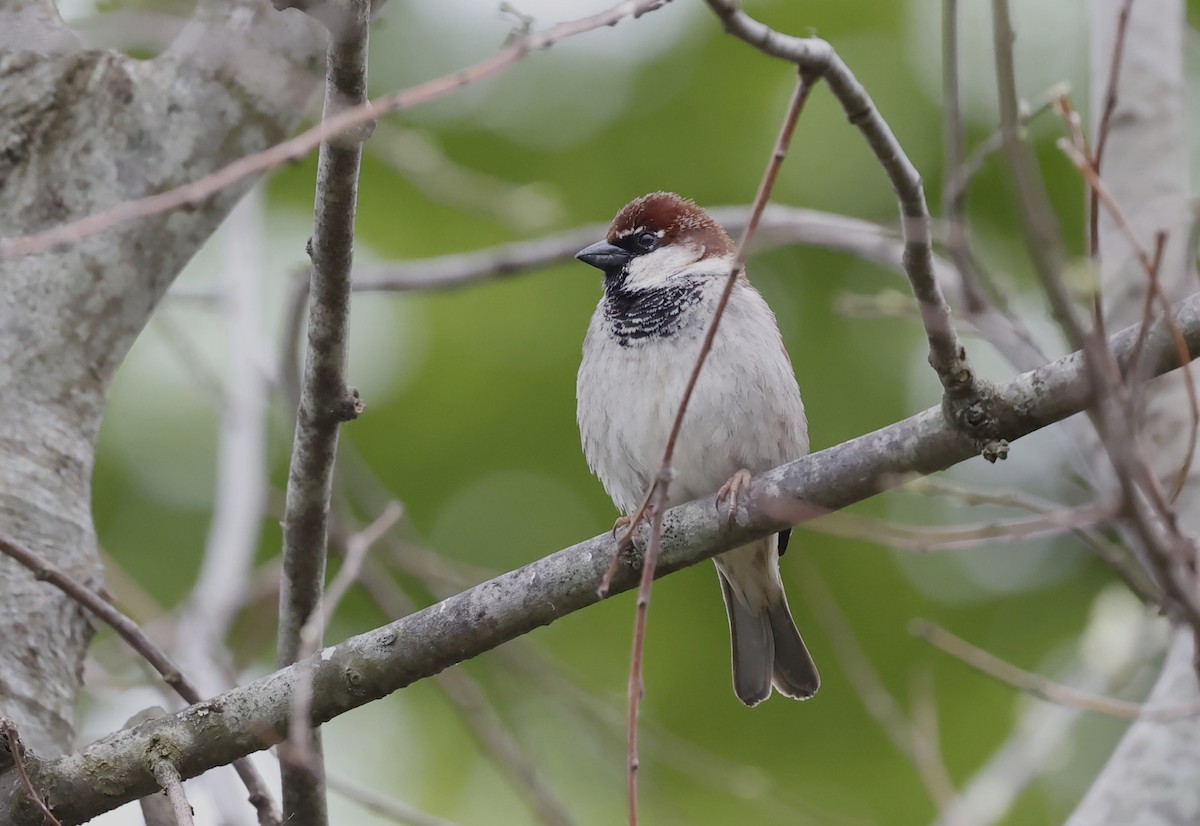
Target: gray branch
(817, 58)
(370, 666)
(325, 400)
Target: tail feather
(767, 648)
(794, 673)
(753, 648)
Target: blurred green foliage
(473, 429)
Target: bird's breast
(634, 315)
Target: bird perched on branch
(665, 263)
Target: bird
(665, 263)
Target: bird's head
(658, 238)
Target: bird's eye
(647, 240)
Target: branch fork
(966, 399)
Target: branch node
(357, 134)
(975, 409)
(350, 406)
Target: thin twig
(874, 696)
(1039, 222)
(168, 778)
(780, 226)
(1076, 136)
(1040, 687)
(326, 401)
(925, 539)
(959, 179)
(239, 500)
(388, 807)
(132, 634)
(1151, 262)
(9, 729)
(1102, 131)
(357, 546)
(954, 199)
(1152, 520)
(299, 146)
(1104, 548)
(816, 57)
(656, 496)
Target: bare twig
(1168, 551)
(129, 631)
(1040, 687)
(818, 59)
(656, 496)
(1039, 731)
(389, 807)
(1103, 547)
(1039, 223)
(954, 199)
(325, 399)
(958, 180)
(168, 777)
(925, 539)
(299, 146)
(17, 751)
(780, 226)
(1151, 263)
(300, 731)
(241, 489)
(876, 699)
(1110, 106)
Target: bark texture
(81, 131)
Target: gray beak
(604, 256)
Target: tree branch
(325, 399)
(816, 57)
(372, 665)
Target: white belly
(745, 412)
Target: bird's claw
(732, 490)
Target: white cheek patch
(655, 269)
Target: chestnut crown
(663, 218)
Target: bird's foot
(623, 531)
(623, 522)
(732, 490)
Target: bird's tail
(767, 648)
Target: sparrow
(665, 262)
